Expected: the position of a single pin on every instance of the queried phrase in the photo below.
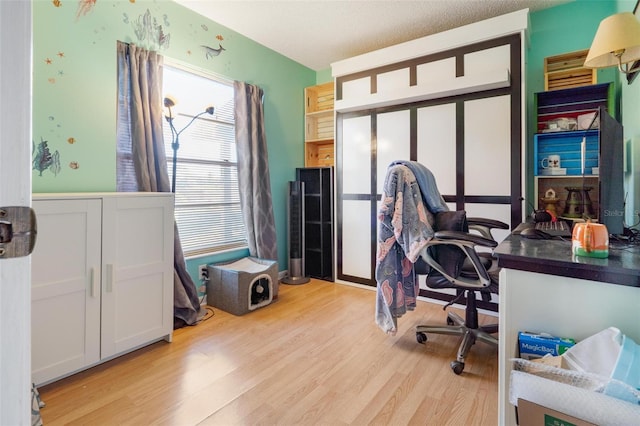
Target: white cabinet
(102, 278)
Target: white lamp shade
(619, 32)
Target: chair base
(469, 330)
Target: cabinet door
(65, 294)
(137, 273)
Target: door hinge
(18, 231)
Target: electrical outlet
(203, 273)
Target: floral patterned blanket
(404, 229)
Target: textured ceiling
(316, 33)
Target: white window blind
(207, 206)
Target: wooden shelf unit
(600, 152)
(319, 125)
(568, 70)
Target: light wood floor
(313, 357)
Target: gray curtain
(140, 102)
(253, 171)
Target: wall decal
(210, 52)
(74, 165)
(57, 3)
(71, 141)
(50, 61)
(85, 7)
(147, 29)
(43, 159)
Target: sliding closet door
(436, 140)
(393, 142)
(470, 137)
(487, 159)
(355, 254)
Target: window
(207, 207)
(207, 199)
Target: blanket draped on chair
(404, 229)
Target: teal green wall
(75, 88)
(324, 76)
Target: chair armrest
(489, 223)
(484, 225)
(467, 243)
(465, 236)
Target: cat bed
(243, 285)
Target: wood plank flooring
(313, 357)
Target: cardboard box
(531, 414)
(553, 361)
(534, 345)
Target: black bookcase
(318, 202)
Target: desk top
(554, 257)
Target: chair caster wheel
(421, 337)
(450, 321)
(457, 367)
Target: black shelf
(318, 226)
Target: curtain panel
(140, 111)
(253, 171)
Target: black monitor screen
(611, 179)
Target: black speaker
(295, 234)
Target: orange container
(590, 239)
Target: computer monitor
(611, 178)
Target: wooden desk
(543, 288)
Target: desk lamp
(616, 43)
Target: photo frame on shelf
(632, 76)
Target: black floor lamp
(170, 102)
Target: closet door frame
(459, 199)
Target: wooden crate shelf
(319, 98)
(568, 70)
(319, 126)
(319, 154)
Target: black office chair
(447, 255)
(451, 261)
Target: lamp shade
(620, 34)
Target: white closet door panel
(442, 70)
(356, 152)
(487, 146)
(137, 271)
(393, 141)
(356, 238)
(488, 60)
(501, 212)
(437, 144)
(393, 80)
(65, 293)
(354, 89)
